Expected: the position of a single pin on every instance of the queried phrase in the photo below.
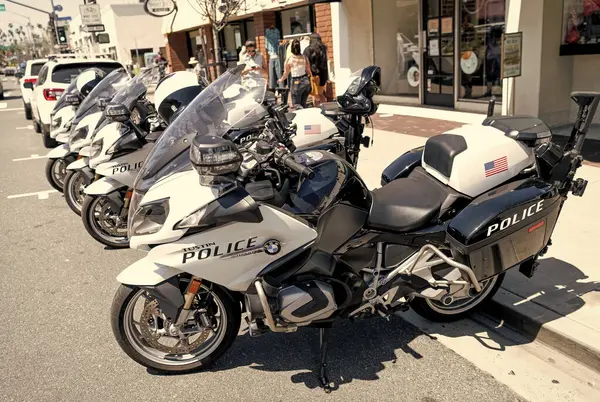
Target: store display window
(296, 21)
(482, 24)
(581, 27)
(396, 46)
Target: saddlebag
(505, 227)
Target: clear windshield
(105, 89)
(144, 82)
(71, 89)
(219, 107)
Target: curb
(541, 324)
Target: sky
(70, 8)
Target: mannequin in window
(272, 36)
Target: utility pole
(54, 18)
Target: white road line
(3, 105)
(7, 93)
(41, 195)
(11, 109)
(386, 115)
(25, 128)
(33, 156)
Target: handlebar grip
(299, 168)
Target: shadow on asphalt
(359, 350)
(12, 97)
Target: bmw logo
(272, 247)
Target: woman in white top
(297, 65)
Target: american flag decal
(496, 166)
(312, 129)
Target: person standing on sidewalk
(272, 36)
(254, 62)
(316, 53)
(299, 68)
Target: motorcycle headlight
(128, 142)
(96, 148)
(150, 218)
(192, 220)
(214, 156)
(79, 135)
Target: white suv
(32, 68)
(54, 77)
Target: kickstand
(323, 376)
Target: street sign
(512, 54)
(2, 7)
(58, 8)
(64, 19)
(159, 8)
(90, 14)
(93, 28)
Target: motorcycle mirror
(28, 85)
(72, 99)
(102, 103)
(117, 112)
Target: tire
(434, 311)
(48, 141)
(1, 95)
(124, 296)
(28, 114)
(70, 190)
(51, 175)
(36, 126)
(87, 216)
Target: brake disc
(150, 314)
(110, 222)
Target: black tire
(50, 173)
(36, 126)
(28, 114)
(48, 142)
(122, 298)
(71, 176)
(422, 307)
(1, 95)
(89, 225)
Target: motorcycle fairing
(78, 164)
(124, 169)
(59, 152)
(103, 186)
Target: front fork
(190, 293)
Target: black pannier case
(506, 226)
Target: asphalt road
(56, 288)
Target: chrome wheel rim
(465, 304)
(75, 189)
(133, 331)
(106, 222)
(59, 171)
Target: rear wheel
(36, 126)
(48, 141)
(103, 223)
(56, 172)
(27, 111)
(144, 333)
(1, 95)
(73, 189)
(436, 310)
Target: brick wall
(323, 27)
(177, 52)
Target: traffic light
(62, 36)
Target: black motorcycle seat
(409, 203)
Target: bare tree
(218, 13)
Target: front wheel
(453, 310)
(56, 172)
(144, 333)
(103, 222)
(73, 189)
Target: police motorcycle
(141, 112)
(298, 239)
(64, 111)
(98, 85)
(105, 208)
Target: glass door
(438, 52)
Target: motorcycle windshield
(225, 102)
(107, 88)
(133, 89)
(61, 102)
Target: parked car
(10, 71)
(32, 68)
(1, 91)
(53, 78)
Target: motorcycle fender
(64, 138)
(88, 172)
(78, 164)
(146, 272)
(59, 152)
(57, 132)
(104, 186)
(85, 151)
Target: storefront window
(396, 45)
(481, 29)
(581, 27)
(296, 21)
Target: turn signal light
(53, 93)
(536, 226)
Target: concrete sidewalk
(560, 305)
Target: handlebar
(289, 162)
